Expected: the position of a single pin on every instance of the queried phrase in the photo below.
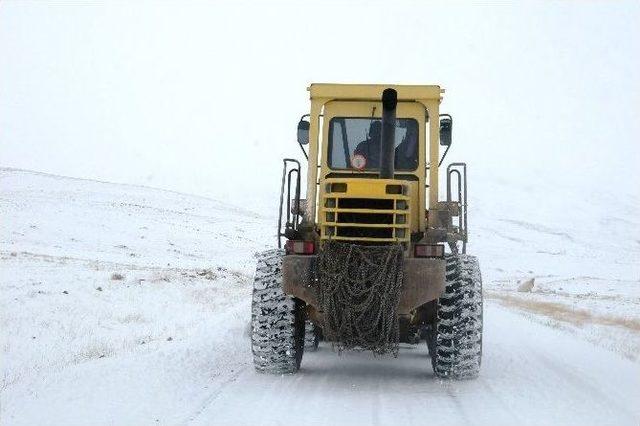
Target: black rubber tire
(455, 340)
(277, 320)
(311, 336)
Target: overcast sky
(204, 97)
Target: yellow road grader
(372, 257)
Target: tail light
(425, 250)
(299, 247)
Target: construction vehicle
(372, 257)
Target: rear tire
(311, 336)
(455, 340)
(277, 320)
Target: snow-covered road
(531, 375)
(125, 305)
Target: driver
(370, 147)
(406, 157)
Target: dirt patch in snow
(562, 312)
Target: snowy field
(126, 305)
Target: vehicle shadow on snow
(412, 362)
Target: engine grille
(347, 216)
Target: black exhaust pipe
(388, 136)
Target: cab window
(354, 143)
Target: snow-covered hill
(126, 297)
(129, 305)
(578, 240)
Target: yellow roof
(373, 92)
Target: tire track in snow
(215, 394)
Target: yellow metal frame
(331, 100)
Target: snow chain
(359, 291)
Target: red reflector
(422, 250)
(299, 247)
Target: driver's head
(375, 129)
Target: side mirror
(446, 123)
(303, 132)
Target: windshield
(351, 137)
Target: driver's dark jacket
(370, 149)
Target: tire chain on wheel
(455, 344)
(277, 320)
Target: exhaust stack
(388, 135)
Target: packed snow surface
(125, 305)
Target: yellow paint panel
(362, 92)
(370, 188)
